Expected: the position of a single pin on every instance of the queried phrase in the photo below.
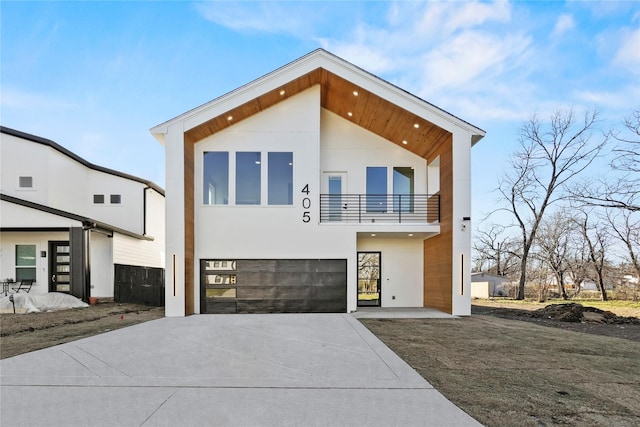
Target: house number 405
(306, 204)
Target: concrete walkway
(223, 370)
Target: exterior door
(369, 283)
(334, 186)
(59, 267)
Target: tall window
(248, 166)
(376, 189)
(25, 262)
(280, 178)
(403, 186)
(216, 178)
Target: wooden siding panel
(438, 250)
(189, 232)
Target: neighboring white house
(485, 285)
(318, 187)
(68, 223)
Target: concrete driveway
(223, 370)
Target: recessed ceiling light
(350, 114)
(282, 92)
(355, 93)
(373, 235)
(229, 118)
(404, 142)
(416, 125)
(410, 234)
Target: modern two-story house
(318, 187)
(73, 226)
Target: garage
(273, 286)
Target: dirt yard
(505, 367)
(22, 333)
(508, 367)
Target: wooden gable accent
(345, 99)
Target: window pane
(376, 189)
(280, 178)
(26, 255)
(98, 198)
(25, 181)
(115, 199)
(248, 178)
(215, 188)
(221, 293)
(403, 184)
(23, 273)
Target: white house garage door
(273, 286)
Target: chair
(25, 286)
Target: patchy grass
(512, 373)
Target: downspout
(144, 210)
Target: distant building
(318, 187)
(485, 285)
(70, 225)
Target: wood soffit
(347, 100)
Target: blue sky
(95, 76)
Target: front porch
(400, 313)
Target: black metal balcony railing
(382, 208)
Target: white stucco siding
(23, 158)
(128, 214)
(63, 183)
(348, 148)
(175, 221)
(401, 269)
(8, 242)
(14, 216)
(461, 304)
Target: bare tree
(625, 226)
(550, 156)
(554, 245)
(597, 242)
(621, 191)
(578, 262)
(495, 249)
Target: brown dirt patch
(22, 333)
(514, 373)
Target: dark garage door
(273, 286)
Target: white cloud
(628, 55)
(270, 17)
(564, 23)
(12, 98)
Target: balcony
(380, 208)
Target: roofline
(92, 223)
(68, 153)
(160, 129)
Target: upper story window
(376, 189)
(403, 182)
(280, 178)
(115, 199)
(248, 168)
(25, 182)
(216, 178)
(98, 199)
(248, 173)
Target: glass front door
(59, 267)
(369, 292)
